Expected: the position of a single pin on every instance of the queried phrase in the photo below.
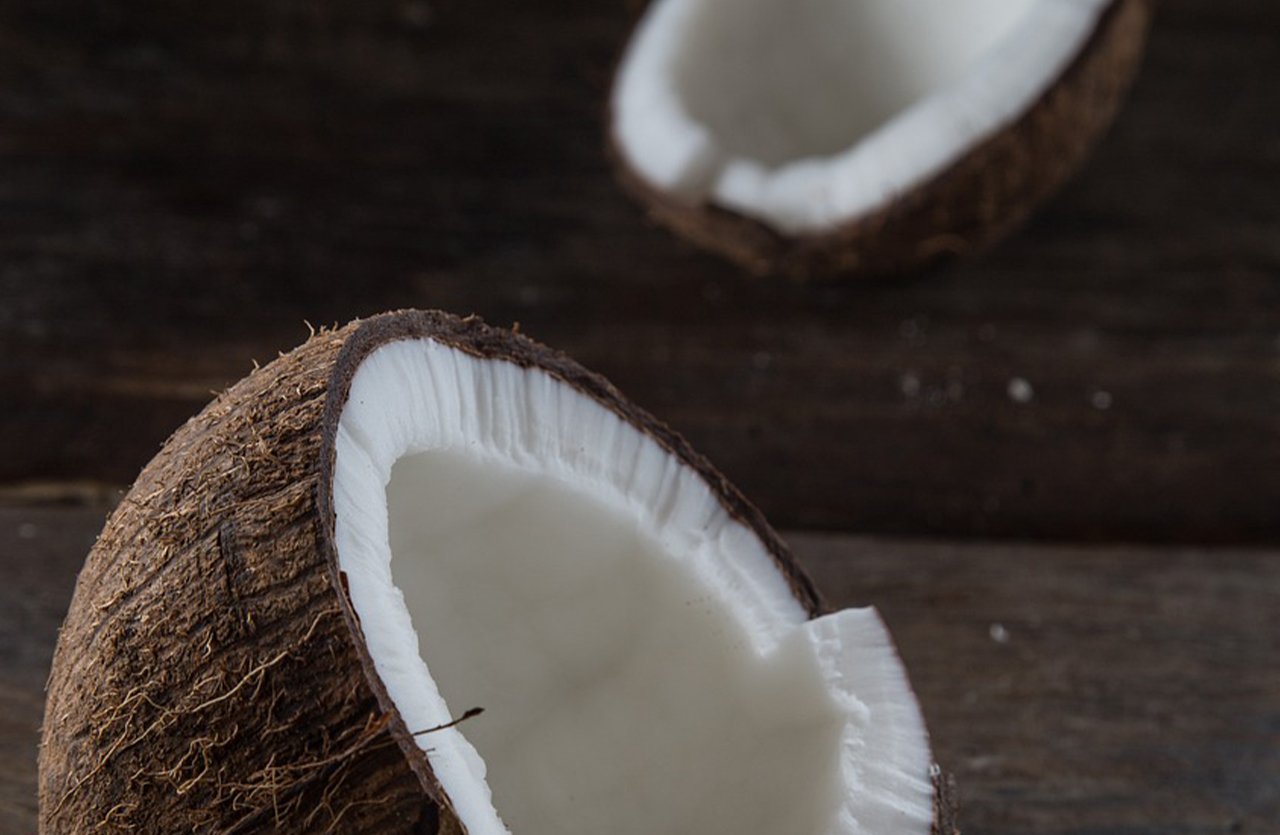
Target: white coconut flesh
(808, 114)
(511, 544)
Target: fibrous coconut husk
(211, 675)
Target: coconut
(834, 137)
(424, 575)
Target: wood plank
(41, 550)
(1073, 691)
(181, 184)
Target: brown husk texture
(205, 679)
(211, 675)
(973, 204)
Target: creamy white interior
(511, 544)
(808, 113)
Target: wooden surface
(182, 184)
(1100, 691)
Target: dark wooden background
(183, 185)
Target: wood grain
(182, 184)
(1073, 691)
(41, 550)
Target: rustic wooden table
(183, 184)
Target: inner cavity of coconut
(808, 113)
(620, 694)
(511, 544)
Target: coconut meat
(510, 543)
(808, 114)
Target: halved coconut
(419, 519)
(844, 136)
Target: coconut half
(844, 136)
(417, 520)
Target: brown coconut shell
(211, 675)
(974, 203)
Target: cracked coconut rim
(644, 661)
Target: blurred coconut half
(841, 137)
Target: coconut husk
(211, 675)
